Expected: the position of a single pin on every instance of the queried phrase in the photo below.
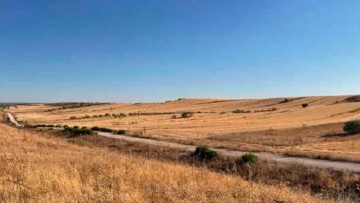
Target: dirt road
(335, 165)
(12, 118)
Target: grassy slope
(290, 129)
(47, 169)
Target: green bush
(122, 115)
(204, 153)
(305, 105)
(285, 101)
(187, 114)
(121, 132)
(95, 128)
(352, 127)
(108, 130)
(73, 117)
(77, 132)
(249, 158)
(39, 126)
(241, 111)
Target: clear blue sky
(92, 50)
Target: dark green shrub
(58, 126)
(95, 128)
(249, 158)
(84, 127)
(77, 132)
(305, 105)
(353, 99)
(73, 117)
(285, 101)
(102, 129)
(204, 153)
(187, 114)
(241, 111)
(107, 115)
(108, 130)
(121, 132)
(352, 127)
(76, 127)
(40, 126)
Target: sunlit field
(38, 167)
(306, 126)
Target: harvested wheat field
(281, 125)
(37, 167)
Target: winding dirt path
(12, 118)
(335, 165)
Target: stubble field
(39, 167)
(279, 125)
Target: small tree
(305, 105)
(241, 111)
(352, 127)
(249, 158)
(95, 128)
(121, 132)
(204, 153)
(187, 115)
(122, 115)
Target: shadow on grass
(343, 134)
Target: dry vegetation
(280, 125)
(320, 182)
(37, 167)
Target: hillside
(280, 125)
(37, 167)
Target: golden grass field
(272, 125)
(38, 167)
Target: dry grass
(46, 169)
(320, 182)
(289, 129)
